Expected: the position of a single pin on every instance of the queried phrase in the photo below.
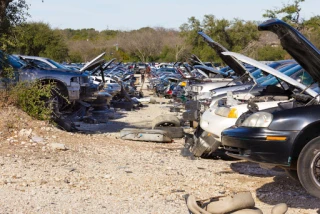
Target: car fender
(295, 119)
(308, 133)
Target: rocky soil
(46, 170)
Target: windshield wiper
(280, 83)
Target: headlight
(182, 84)
(233, 113)
(259, 119)
(227, 112)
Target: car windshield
(57, 64)
(281, 70)
(15, 62)
(274, 80)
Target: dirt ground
(100, 173)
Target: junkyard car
(73, 85)
(286, 135)
(226, 111)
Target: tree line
(150, 44)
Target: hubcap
(315, 168)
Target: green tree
(288, 12)
(38, 39)
(269, 53)
(12, 14)
(235, 35)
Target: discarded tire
(173, 132)
(166, 121)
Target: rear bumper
(251, 144)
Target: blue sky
(134, 14)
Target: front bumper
(251, 144)
(203, 143)
(214, 123)
(95, 95)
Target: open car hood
(272, 71)
(235, 65)
(94, 61)
(300, 48)
(209, 69)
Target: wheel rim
(315, 168)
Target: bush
(269, 53)
(31, 97)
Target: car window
(56, 64)
(39, 63)
(305, 78)
(274, 80)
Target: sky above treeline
(135, 14)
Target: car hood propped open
(272, 71)
(300, 48)
(209, 69)
(235, 65)
(94, 61)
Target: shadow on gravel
(253, 169)
(289, 191)
(219, 154)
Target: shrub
(31, 97)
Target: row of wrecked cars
(82, 95)
(267, 112)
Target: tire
(293, 174)
(309, 167)
(58, 101)
(166, 120)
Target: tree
(145, 43)
(235, 35)
(12, 14)
(38, 39)
(289, 13)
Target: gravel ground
(100, 173)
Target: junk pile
(164, 129)
(240, 203)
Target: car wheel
(309, 167)
(58, 101)
(293, 174)
(165, 121)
